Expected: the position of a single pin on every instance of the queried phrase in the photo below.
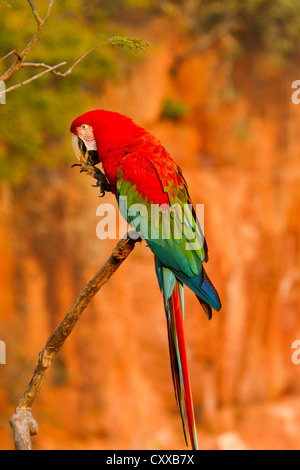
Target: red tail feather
(178, 332)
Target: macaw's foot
(98, 175)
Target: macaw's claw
(96, 173)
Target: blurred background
(214, 86)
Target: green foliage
(242, 129)
(268, 26)
(173, 109)
(271, 26)
(35, 121)
(138, 3)
(6, 2)
(131, 43)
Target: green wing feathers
(171, 228)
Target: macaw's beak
(81, 152)
(79, 148)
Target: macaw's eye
(84, 126)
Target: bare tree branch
(129, 42)
(48, 68)
(31, 79)
(22, 422)
(52, 70)
(41, 23)
(35, 12)
(68, 72)
(11, 53)
(24, 426)
(20, 62)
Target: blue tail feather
(202, 286)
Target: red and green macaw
(139, 169)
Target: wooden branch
(131, 43)
(22, 56)
(35, 12)
(22, 422)
(31, 79)
(24, 426)
(20, 62)
(11, 53)
(52, 70)
(68, 72)
(48, 68)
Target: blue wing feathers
(202, 286)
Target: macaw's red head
(98, 133)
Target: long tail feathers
(179, 365)
(172, 289)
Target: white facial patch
(90, 145)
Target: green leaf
(132, 43)
(174, 109)
(7, 2)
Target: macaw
(140, 171)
